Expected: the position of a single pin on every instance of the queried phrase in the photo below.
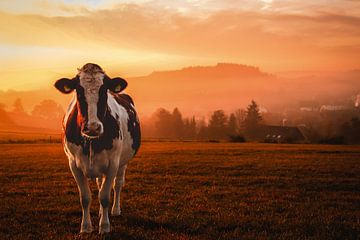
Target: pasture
(191, 190)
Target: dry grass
(12, 137)
(191, 191)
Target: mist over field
(299, 98)
(199, 90)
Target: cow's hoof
(86, 229)
(103, 229)
(116, 212)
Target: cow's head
(91, 85)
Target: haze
(281, 52)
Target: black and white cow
(101, 135)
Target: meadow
(12, 137)
(191, 190)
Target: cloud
(45, 7)
(272, 39)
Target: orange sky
(41, 41)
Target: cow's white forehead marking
(91, 81)
(91, 77)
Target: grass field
(191, 191)
(28, 137)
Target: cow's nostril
(92, 129)
(95, 127)
(85, 128)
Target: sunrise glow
(42, 40)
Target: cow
(101, 133)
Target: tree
(163, 123)
(217, 125)
(48, 110)
(232, 125)
(202, 129)
(177, 124)
(351, 131)
(189, 128)
(18, 107)
(192, 128)
(5, 120)
(252, 119)
(240, 115)
(169, 125)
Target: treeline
(47, 109)
(47, 114)
(347, 132)
(335, 127)
(172, 124)
(328, 127)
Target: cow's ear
(65, 85)
(116, 85)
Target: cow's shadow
(130, 227)
(147, 226)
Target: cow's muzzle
(92, 130)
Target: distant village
(308, 122)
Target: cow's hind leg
(85, 197)
(118, 183)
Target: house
(281, 134)
(334, 108)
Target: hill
(200, 89)
(226, 86)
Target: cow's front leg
(85, 197)
(99, 183)
(104, 198)
(118, 183)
